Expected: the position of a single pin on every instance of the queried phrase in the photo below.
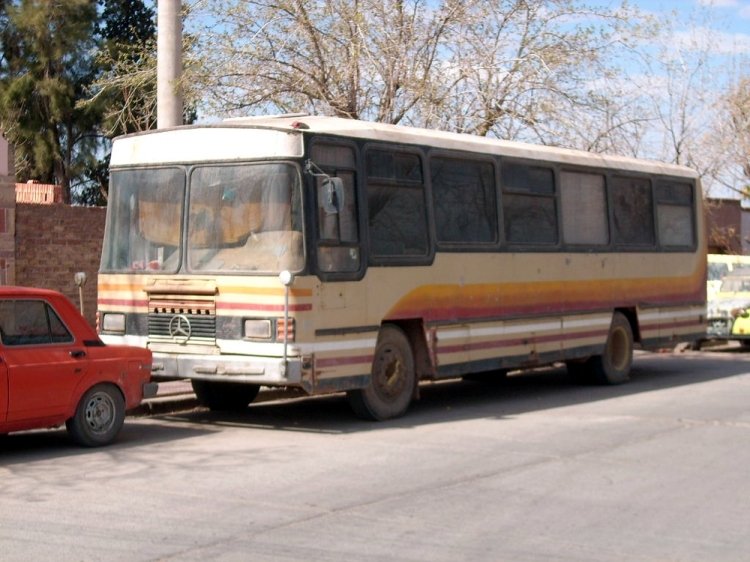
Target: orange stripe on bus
(440, 302)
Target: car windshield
(240, 218)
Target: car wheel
(224, 396)
(98, 417)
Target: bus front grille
(181, 321)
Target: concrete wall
(53, 242)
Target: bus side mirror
(332, 195)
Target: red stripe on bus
(676, 324)
(339, 361)
(220, 306)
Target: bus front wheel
(392, 381)
(224, 396)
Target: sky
(731, 16)
(716, 29)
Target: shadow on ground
(457, 399)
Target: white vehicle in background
(729, 303)
(719, 266)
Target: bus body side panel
(489, 311)
(515, 310)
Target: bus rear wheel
(613, 365)
(224, 396)
(392, 381)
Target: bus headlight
(257, 329)
(113, 322)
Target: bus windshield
(240, 218)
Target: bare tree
(507, 68)
(736, 129)
(361, 59)
(680, 82)
(527, 68)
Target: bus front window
(143, 220)
(245, 218)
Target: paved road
(535, 469)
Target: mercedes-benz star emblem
(179, 328)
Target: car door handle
(77, 354)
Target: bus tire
(613, 366)
(224, 396)
(392, 380)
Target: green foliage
(125, 85)
(52, 53)
(47, 53)
(127, 22)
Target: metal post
(168, 64)
(80, 280)
(286, 278)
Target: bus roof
(300, 124)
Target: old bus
(338, 255)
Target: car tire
(99, 416)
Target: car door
(44, 363)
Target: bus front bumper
(268, 371)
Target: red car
(54, 369)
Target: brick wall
(43, 193)
(53, 242)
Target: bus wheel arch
(393, 378)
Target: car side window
(31, 322)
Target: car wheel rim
(100, 413)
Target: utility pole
(168, 64)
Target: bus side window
(584, 209)
(529, 207)
(338, 228)
(674, 214)
(396, 204)
(632, 211)
(464, 200)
